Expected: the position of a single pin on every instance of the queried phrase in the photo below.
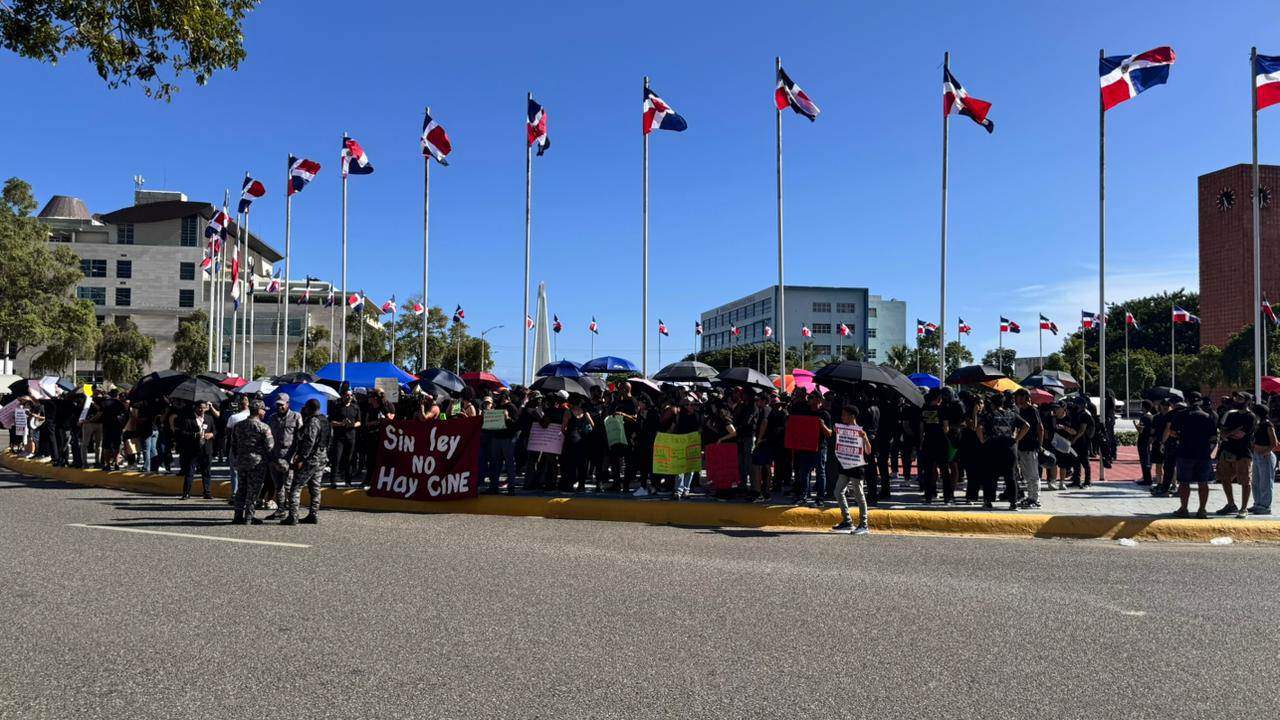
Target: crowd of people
(963, 447)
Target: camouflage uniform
(284, 429)
(253, 443)
(311, 450)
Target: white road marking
(188, 535)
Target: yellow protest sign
(677, 454)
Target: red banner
(722, 466)
(802, 433)
(428, 459)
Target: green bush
(1127, 437)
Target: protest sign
(390, 387)
(677, 454)
(849, 450)
(616, 430)
(495, 420)
(802, 433)
(548, 439)
(722, 466)
(427, 459)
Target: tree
(1237, 356)
(191, 343)
(1001, 359)
(36, 278)
(957, 356)
(128, 41)
(901, 358)
(124, 352)
(259, 371)
(317, 350)
(75, 335)
(1202, 371)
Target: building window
(822, 328)
(187, 271)
(871, 312)
(871, 353)
(186, 298)
(821, 349)
(124, 268)
(871, 332)
(846, 307)
(93, 268)
(124, 234)
(95, 295)
(60, 237)
(124, 297)
(766, 304)
(190, 229)
(822, 307)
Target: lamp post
(484, 355)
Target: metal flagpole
(246, 331)
(1259, 321)
(235, 309)
(1102, 266)
(360, 315)
(999, 353)
(1127, 397)
(659, 349)
(1173, 351)
(393, 329)
(342, 357)
(253, 286)
(942, 283)
(213, 266)
(644, 256)
(782, 288)
(283, 359)
(222, 290)
(1041, 344)
(426, 208)
(528, 201)
(457, 349)
(1083, 376)
(333, 311)
(306, 323)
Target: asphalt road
(390, 615)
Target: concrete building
(142, 262)
(875, 324)
(1226, 248)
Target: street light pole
(484, 349)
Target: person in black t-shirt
(935, 448)
(1144, 423)
(344, 421)
(1196, 432)
(1029, 448)
(1235, 455)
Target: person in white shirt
(242, 412)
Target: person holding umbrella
(195, 448)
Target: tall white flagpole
(942, 282)
(342, 358)
(1102, 268)
(212, 276)
(283, 359)
(306, 324)
(221, 297)
(782, 288)
(246, 289)
(426, 214)
(528, 212)
(1126, 364)
(1173, 350)
(644, 256)
(1259, 323)
(235, 309)
(253, 333)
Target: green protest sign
(616, 430)
(677, 454)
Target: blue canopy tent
(610, 364)
(924, 380)
(563, 368)
(363, 375)
(299, 394)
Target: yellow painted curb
(719, 514)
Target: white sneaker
(640, 492)
(271, 505)
(861, 530)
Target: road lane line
(188, 535)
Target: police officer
(251, 445)
(284, 428)
(311, 455)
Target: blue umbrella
(364, 374)
(299, 394)
(925, 380)
(610, 364)
(564, 368)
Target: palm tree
(900, 358)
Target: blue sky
(861, 183)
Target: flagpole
(942, 286)
(426, 207)
(999, 353)
(1041, 344)
(393, 330)
(235, 282)
(306, 324)
(1259, 321)
(246, 332)
(222, 286)
(213, 261)
(361, 316)
(283, 359)
(659, 349)
(1173, 350)
(249, 361)
(644, 257)
(1127, 396)
(1083, 375)
(528, 212)
(1102, 264)
(782, 288)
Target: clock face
(1226, 199)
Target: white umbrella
(325, 389)
(257, 387)
(49, 384)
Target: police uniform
(252, 440)
(284, 429)
(311, 455)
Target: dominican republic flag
(735, 331)
(389, 306)
(805, 331)
(1130, 320)
(843, 330)
(662, 328)
(458, 314)
(1009, 326)
(528, 322)
(1266, 310)
(249, 191)
(435, 142)
(301, 172)
(216, 230)
(1182, 316)
(788, 94)
(956, 99)
(659, 116)
(1124, 76)
(537, 127)
(697, 327)
(925, 329)
(556, 325)
(965, 328)
(768, 331)
(594, 327)
(305, 297)
(1047, 324)
(354, 161)
(355, 301)
(274, 286)
(235, 278)
(1266, 77)
(329, 299)
(919, 327)
(417, 308)
(1088, 319)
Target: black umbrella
(1163, 393)
(746, 377)
(849, 373)
(686, 371)
(19, 387)
(555, 383)
(212, 376)
(196, 390)
(443, 379)
(1044, 382)
(67, 385)
(157, 384)
(591, 381)
(973, 374)
(293, 377)
(1062, 376)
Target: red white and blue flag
(965, 328)
(216, 230)
(659, 116)
(1181, 316)
(355, 301)
(843, 330)
(734, 330)
(301, 172)
(1130, 320)
(788, 94)
(528, 322)
(458, 314)
(662, 328)
(768, 331)
(275, 285)
(956, 99)
(1047, 324)
(417, 308)
(697, 327)
(235, 277)
(1266, 77)
(389, 306)
(1009, 326)
(1124, 76)
(305, 297)
(1088, 319)
(1268, 311)
(925, 329)
(250, 190)
(354, 159)
(805, 331)
(435, 142)
(594, 327)
(556, 325)
(329, 299)
(537, 127)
